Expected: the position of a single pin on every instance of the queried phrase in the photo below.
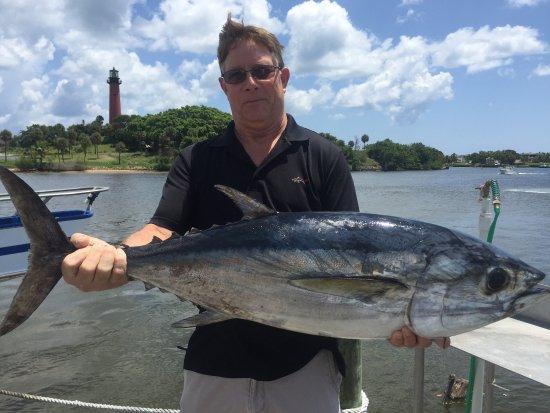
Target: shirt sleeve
(338, 189)
(176, 201)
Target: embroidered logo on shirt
(299, 180)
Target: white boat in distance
(14, 243)
(507, 170)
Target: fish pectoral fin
(202, 319)
(249, 207)
(359, 288)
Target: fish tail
(48, 246)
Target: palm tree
(6, 136)
(85, 143)
(96, 139)
(120, 147)
(364, 139)
(61, 144)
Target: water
(117, 346)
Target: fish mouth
(535, 277)
(529, 297)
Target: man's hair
(233, 32)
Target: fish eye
(496, 280)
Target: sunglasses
(259, 72)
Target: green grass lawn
(107, 158)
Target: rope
(360, 409)
(86, 404)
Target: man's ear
(285, 76)
(222, 85)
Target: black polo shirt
(304, 172)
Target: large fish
(350, 275)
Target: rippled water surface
(117, 346)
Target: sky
(461, 76)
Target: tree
(164, 144)
(31, 135)
(351, 144)
(364, 139)
(39, 151)
(85, 143)
(62, 145)
(120, 147)
(72, 137)
(96, 139)
(6, 137)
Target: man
(238, 365)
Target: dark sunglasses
(259, 72)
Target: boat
(507, 170)
(14, 243)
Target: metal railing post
(477, 391)
(352, 383)
(418, 382)
(488, 387)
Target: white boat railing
(48, 194)
(14, 243)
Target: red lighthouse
(114, 95)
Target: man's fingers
(443, 342)
(87, 271)
(71, 263)
(105, 264)
(423, 342)
(409, 338)
(396, 339)
(82, 240)
(118, 276)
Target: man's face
(254, 101)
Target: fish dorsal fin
(250, 208)
(194, 230)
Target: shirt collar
(292, 133)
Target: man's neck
(258, 142)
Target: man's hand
(406, 338)
(95, 265)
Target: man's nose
(250, 81)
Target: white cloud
(395, 79)
(399, 79)
(302, 101)
(486, 48)
(523, 3)
(337, 116)
(410, 15)
(5, 118)
(33, 89)
(410, 2)
(542, 70)
(506, 71)
(15, 52)
(324, 42)
(403, 96)
(193, 26)
(190, 68)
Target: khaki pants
(315, 388)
